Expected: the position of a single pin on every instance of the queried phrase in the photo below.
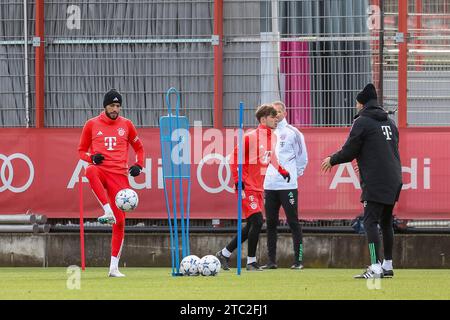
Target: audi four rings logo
(223, 181)
(7, 183)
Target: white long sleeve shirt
(292, 155)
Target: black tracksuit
(373, 141)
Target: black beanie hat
(367, 94)
(112, 96)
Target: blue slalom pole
(180, 180)
(174, 200)
(239, 224)
(172, 249)
(176, 169)
(169, 218)
(188, 211)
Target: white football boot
(115, 273)
(107, 218)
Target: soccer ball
(189, 265)
(209, 265)
(127, 200)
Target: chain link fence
(313, 54)
(428, 61)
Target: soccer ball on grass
(209, 265)
(189, 265)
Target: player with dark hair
(256, 155)
(104, 145)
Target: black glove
(135, 170)
(286, 175)
(97, 158)
(236, 185)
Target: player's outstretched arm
(85, 143)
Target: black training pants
(274, 199)
(251, 232)
(379, 214)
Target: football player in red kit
(104, 145)
(257, 155)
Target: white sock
(107, 209)
(226, 253)
(114, 263)
(251, 260)
(387, 265)
(376, 267)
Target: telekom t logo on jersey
(110, 142)
(387, 132)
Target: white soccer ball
(189, 265)
(209, 265)
(127, 200)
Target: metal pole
(39, 64)
(241, 155)
(218, 64)
(381, 55)
(274, 4)
(402, 63)
(276, 33)
(418, 58)
(25, 47)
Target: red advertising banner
(39, 170)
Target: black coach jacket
(373, 141)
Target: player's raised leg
(97, 181)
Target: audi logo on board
(7, 173)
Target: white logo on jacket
(387, 131)
(121, 131)
(110, 142)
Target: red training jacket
(110, 138)
(256, 156)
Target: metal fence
(15, 98)
(313, 54)
(428, 61)
(139, 47)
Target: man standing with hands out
(373, 141)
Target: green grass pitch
(280, 284)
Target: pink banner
(295, 66)
(39, 170)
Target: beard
(112, 115)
